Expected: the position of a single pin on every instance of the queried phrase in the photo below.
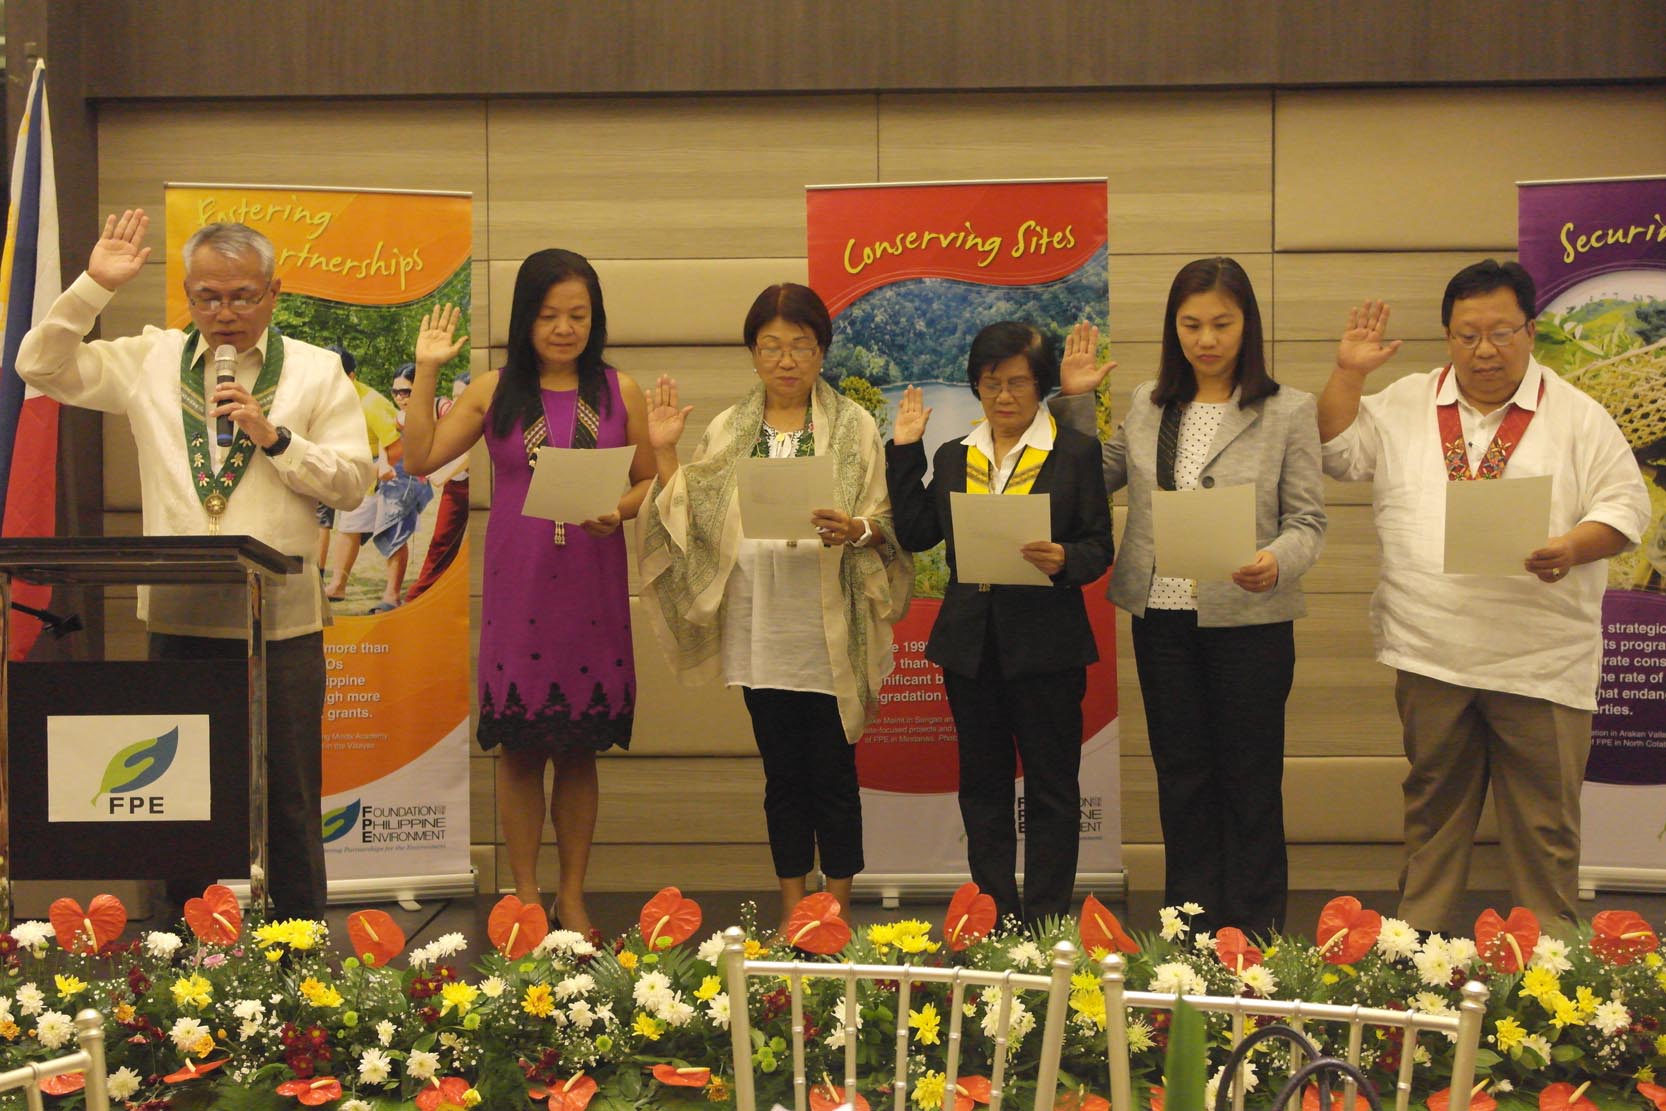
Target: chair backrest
(1007, 984)
(1465, 1027)
(89, 1060)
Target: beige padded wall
(690, 205)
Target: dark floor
(616, 912)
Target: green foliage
(867, 395)
(1183, 1067)
(380, 337)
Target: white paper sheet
(1492, 525)
(988, 531)
(777, 496)
(578, 484)
(1203, 534)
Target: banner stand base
(407, 891)
(891, 888)
(1594, 879)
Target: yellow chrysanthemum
(914, 936)
(1565, 1012)
(1586, 1000)
(203, 1047)
(192, 991)
(717, 1090)
(319, 994)
(928, 1090)
(708, 989)
(1653, 960)
(1084, 981)
(1508, 1033)
(882, 935)
(9, 1030)
(1330, 978)
(69, 986)
(294, 933)
(754, 949)
(124, 1012)
(458, 997)
(1660, 1046)
(925, 1023)
(539, 1001)
(1536, 983)
(648, 1026)
(1090, 1003)
(627, 961)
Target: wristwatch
(279, 445)
(867, 534)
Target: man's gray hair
(232, 241)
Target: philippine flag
(29, 283)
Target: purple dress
(556, 670)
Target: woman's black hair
(794, 303)
(1001, 341)
(1176, 381)
(517, 397)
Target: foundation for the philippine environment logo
(134, 768)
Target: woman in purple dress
(557, 678)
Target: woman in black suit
(1014, 658)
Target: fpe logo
(338, 821)
(128, 768)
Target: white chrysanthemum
(1431, 1003)
(568, 942)
(162, 944)
(251, 1012)
(1172, 924)
(384, 1032)
(375, 1066)
(1398, 939)
(1461, 951)
(1019, 1020)
(836, 1039)
(54, 1028)
(33, 935)
(421, 957)
(1421, 1055)
(711, 949)
(5, 1008)
(1611, 1017)
(422, 1064)
(1204, 942)
(1503, 1085)
(1190, 908)
(356, 1105)
(121, 1083)
(492, 987)
(1176, 977)
(581, 984)
(651, 989)
(450, 1039)
(1551, 953)
(186, 1033)
(717, 1009)
(1434, 966)
(30, 999)
(1259, 979)
(449, 945)
(1140, 1036)
(1540, 1045)
(1026, 954)
(674, 1011)
(581, 1014)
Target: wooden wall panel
(1436, 170)
(1313, 292)
(669, 178)
(1168, 191)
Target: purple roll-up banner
(1597, 252)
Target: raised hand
(434, 343)
(665, 417)
(910, 422)
(120, 252)
(1362, 349)
(1078, 370)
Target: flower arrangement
(233, 1014)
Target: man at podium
(293, 437)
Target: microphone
(225, 370)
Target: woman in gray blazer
(1215, 659)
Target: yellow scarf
(979, 469)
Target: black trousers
(1038, 719)
(1214, 707)
(294, 767)
(811, 797)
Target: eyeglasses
(989, 389)
(402, 393)
(1498, 337)
(239, 304)
(801, 352)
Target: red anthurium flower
(1565, 1097)
(1346, 930)
(1506, 943)
(1654, 1093)
(1617, 936)
(828, 1096)
(668, 919)
(312, 1093)
(1081, 1100)
(971, 916)
(1155, 1097)
(815, 926)
(1479, 1100)
(673, 1077)
(376, 937)
(1310, 1099)
(573, 1095)
(1101, 931)
(64, 1083)
(443, 1095)
(1235, 950)
(215, 918)
(969, 1091)
(87, 931)
(194, 1070)
(516, 928)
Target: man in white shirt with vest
(299, 439)
(1497, 676)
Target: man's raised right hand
(121, 253)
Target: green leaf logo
(139, 764)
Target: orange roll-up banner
(358, 269)
(911, 273)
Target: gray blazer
(1273, 443)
